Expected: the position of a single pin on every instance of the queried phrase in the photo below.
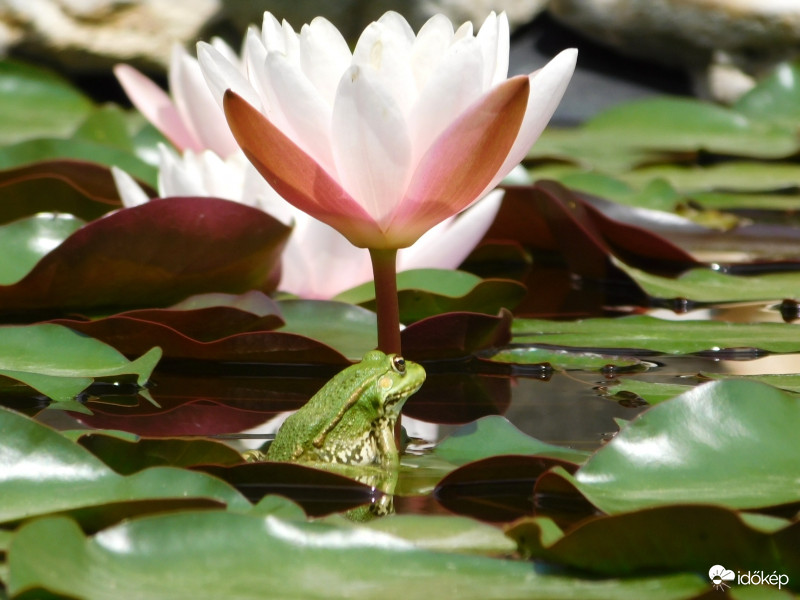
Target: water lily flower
(317, 262)
(191, 119)
(384, 142)
(387, 141)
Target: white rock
(88, 35)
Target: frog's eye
(399, 364)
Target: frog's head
(393, 380)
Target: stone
(86, 36)
(724, 44)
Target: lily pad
(446, 534)
(776, 98)
(666, 539)
(36, 102)
(741, 176)
(60, 363)
(563, 360)
(85, 190)
(128, 457)
(455, 335)
(732, 443)
(659, 335)
(130, 334)
(665, 124)
(651, 392)
(707, 285)
(51, 474)
(153, 254)
(495, 489)
(24, 242)
(222, 554)
(426, 292)
(496, 435)
(351, 330)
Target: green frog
(351, 420)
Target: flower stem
(384, 269)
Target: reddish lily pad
(79, 188)
(128, 334)
(154, 254)
(456, 398)
(455, 335)
(318, 492)
(499, 488)
(127, 457)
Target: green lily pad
(51, 474)
(495, 435)
(563, 360)
(221, 554)
(659, 335)
(754, 201)
(776, 98)
(707, 285)
(446, 534)
(24, 242)
(60, 363)
(740, 176)
(36, 102)
(48, 149)
(662, 125)
(789, 381)
(732, 443)
(652, 392)
(426, 292)
(666, 539)
(351, 330)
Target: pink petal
(461, 162)
(295, 175)
(156, 106)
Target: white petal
(229, 53)
(197, 105)
(370, 143)
(453, 86)
(299, 110)
(272, 34)
(324, 56)
(179, 176)
(465, 30)
(494, 39)
(386, 49)
(449, 243)
(548, 85)
(222, 179)
(129, 191)
(221, 75)
(280, 37)
(433, 40)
